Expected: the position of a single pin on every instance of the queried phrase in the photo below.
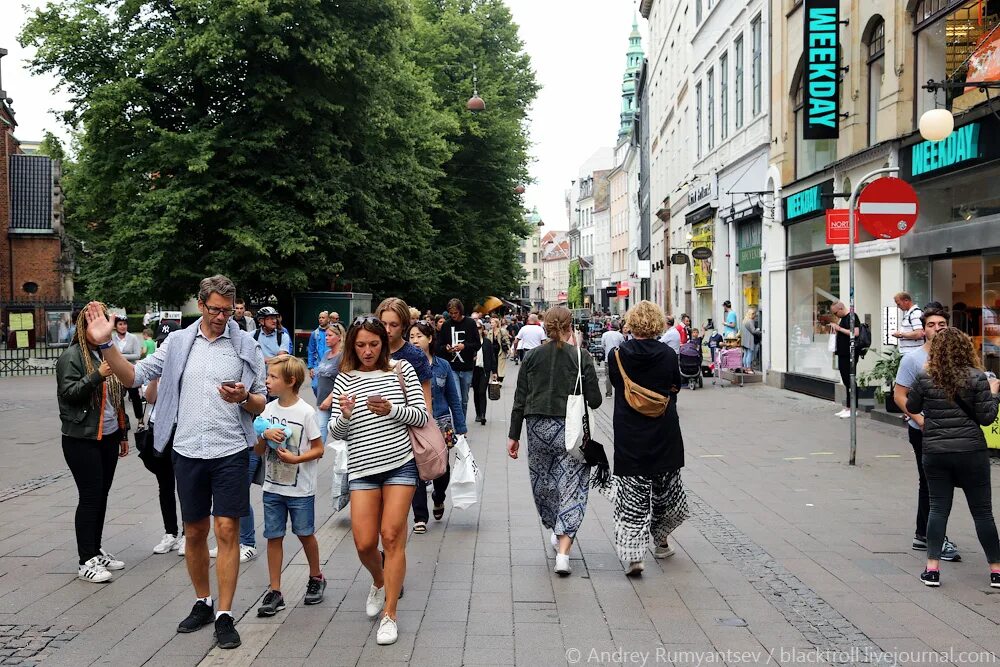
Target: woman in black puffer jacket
(956, 398)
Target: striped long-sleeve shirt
(375, 443)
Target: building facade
(555, 269)
(36, 288)
(529, 253)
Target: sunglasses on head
(371, 319)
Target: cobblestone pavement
(790, 556)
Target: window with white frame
(756, 64)
(697, 120)
(875, 44)
(724, 95)
(811, 155)
(710, 83)
(738, 81)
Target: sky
(577, 48)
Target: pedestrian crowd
(219, 408)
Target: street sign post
(888, 208)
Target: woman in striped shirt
(377, 399)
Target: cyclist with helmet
(274, 341)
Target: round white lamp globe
(936, 124)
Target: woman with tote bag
(559, 479)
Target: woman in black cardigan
(649, 451)
(486, 368)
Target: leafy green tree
(281, 142)
(479, 219)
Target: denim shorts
(404, 475)
(277, 509)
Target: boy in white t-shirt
(291, 466)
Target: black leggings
(969, 471)
(844, 366)
(480, 386)
(420, 512)
(93, 464)
(163, 468)
(923, 501)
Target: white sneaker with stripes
(94, 571)
(109, 561)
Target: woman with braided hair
(94, 437)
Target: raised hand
(99, 326)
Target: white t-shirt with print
(292, 479)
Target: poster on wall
(821, 78)
(702, 236)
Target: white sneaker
(94, 571)
(387, 633)
(554, 540)
(166, 545)
(247, 553)
(844, 414)
(663, 551)
(180, 546)
(109, 561)
(635, 568)
(375, 602)
(212, 553)
(562, 564)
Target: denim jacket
(445, 397)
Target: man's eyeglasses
(215, 312)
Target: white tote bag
(340, 492)
(574, 412)
(465, 478)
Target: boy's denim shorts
(277, 509)
(404, 475)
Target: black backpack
(864, 342)
(256, 335)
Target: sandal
(420, 527)
(438, 511)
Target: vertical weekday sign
(821, 78)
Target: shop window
(991, 313)
(917, 280)
(973, 198)
(810, 155)
(807, 236)
(956, 41)
(875, 45)
(811, 292)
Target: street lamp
(937, 124)
(475, 103)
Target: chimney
(3, 93)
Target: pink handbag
(429, 450)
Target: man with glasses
(211, 388)
(273, 339)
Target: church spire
(633, 63)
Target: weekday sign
(821, 78)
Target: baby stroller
(690, 363)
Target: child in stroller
(689, 360)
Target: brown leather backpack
(644, 401)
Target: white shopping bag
(574, 413)
(831, 344)
(465, 477)
(340, 487)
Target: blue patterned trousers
(559, 482)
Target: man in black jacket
(458, 342)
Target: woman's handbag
(644, 401)
(575, 411)
(494, 390)
(429, 450)
(596, 457)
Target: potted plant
(883, 377)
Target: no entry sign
(888, 208)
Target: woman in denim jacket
(447, 410)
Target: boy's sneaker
(375, 601)
(201, 615)
(994, 579)
(109, 561)
(932, 578)
(167, 544)
(94, 571)
(949, 552)
(314, 590)
(919, 543)
(247, 553)
(274, 602)
(225, 632)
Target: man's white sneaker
(663, 551)
(844, 414)
(93, 571)
(109, 561)
(635, 568)
(166, 545)
(180, 546)
(247, 553)
(213, 552)
(387, 633)
(554, 541)
(375, 602)
(562, 565)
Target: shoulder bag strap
(402, 384)
(621, 369)
(579, 372)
